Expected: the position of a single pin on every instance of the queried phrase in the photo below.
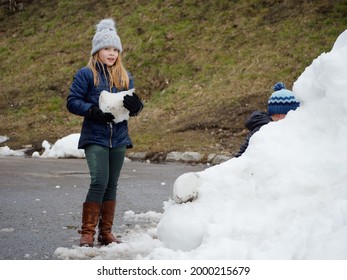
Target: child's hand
(133, 104)
(99, 116)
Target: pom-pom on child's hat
(281, 100)
(106, 36)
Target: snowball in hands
(113, 103)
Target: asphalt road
(41, 200)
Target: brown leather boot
(105, 235)
(90, 216)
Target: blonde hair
(118, 76)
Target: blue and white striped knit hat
(281, 100)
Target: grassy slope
(201, 66)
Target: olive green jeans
(104, 165)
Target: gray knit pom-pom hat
(106, 36)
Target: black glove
(99, 116)
(133, 104)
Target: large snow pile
(286, 197)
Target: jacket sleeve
(245, 144)
(253, 124)
(77, 101)
(131, 82)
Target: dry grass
(201, 66)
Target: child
(103, 140)
(280, 103)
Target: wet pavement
(41, 200)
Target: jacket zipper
(111, 132)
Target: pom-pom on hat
(281, 100)
(106, 36)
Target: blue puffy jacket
(83, 94)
